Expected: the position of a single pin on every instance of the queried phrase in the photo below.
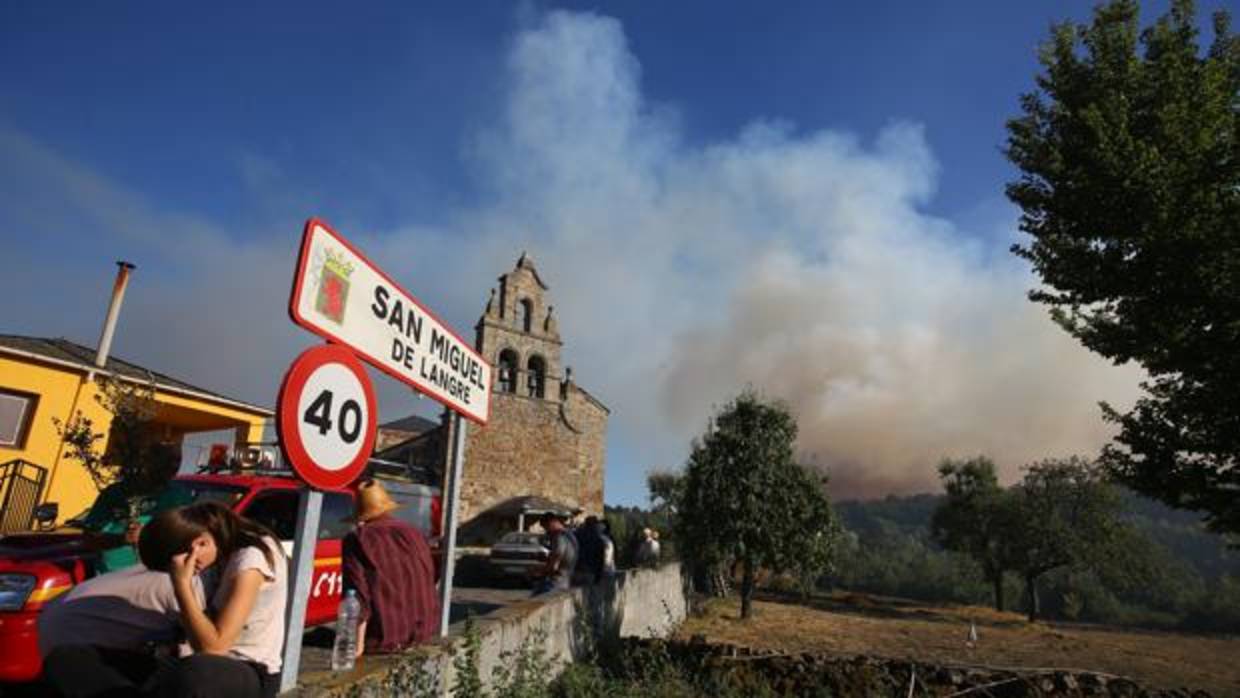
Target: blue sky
(802, 198)
(373, 107)
(346, 102)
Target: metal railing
(22, 484)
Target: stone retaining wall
(643, 603)
(806, 674)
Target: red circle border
(286, 417)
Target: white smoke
(799, 263)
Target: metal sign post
(326, 417)
(309, 506)
(449, 525)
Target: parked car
(518, 552)
(36, 567)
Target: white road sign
(341, 295)
(327, 416)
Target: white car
(517, 553)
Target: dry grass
(853, 624)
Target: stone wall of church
(522, 284)
(551, 449)
(587, 418)
(499, 338)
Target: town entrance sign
(327, 412)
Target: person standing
(648, 549)
(388, 562)
(590, 552)
(609, 550)
(643, 552)
(237, 649)
(557, 573)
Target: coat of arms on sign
(333, 287)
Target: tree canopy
(1064, 514)
(976, 518)
(1129, 153)
(1170, 573)
(744, 498)
(665, 488)
(136, 460)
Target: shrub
(468, 683)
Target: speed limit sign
(327, 416)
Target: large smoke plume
(797, 262)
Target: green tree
(1064, 514)
(665, 491)
(976, 518)
(816, 539)
(1129, 153)
(746, 500)
(136, 461)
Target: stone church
(545, 443)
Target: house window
(508, 371)
(537, 375)
(16, 412)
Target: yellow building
(42, 380)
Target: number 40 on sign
(319, 413)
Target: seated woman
(237, 649)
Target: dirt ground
(855, 624)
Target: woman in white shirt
(237, 647)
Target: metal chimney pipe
(114, 311)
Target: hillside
(1187, 578)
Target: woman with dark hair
(237, 649)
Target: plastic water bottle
(344, 652)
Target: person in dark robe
(591, 549)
